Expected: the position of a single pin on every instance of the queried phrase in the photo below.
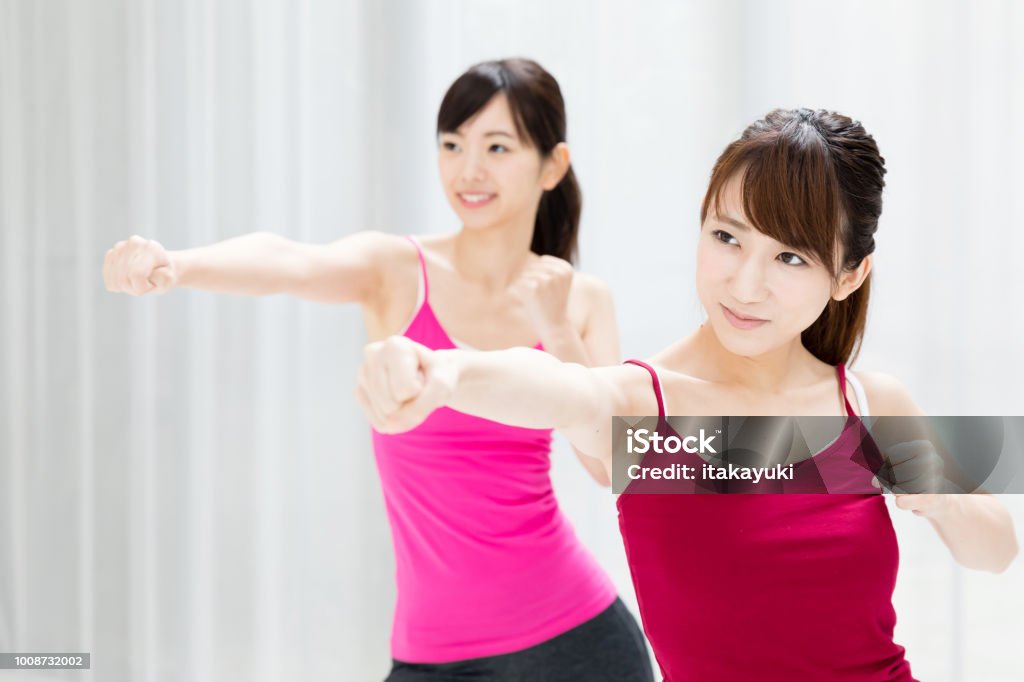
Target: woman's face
(490, 175)
(741, 272)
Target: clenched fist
(914, 471)
(401, 382)
(543, 288)
(139, 266)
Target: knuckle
(406, 388)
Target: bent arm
(598, 346)
(977, 529)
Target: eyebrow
(738, 224)
(490, 133)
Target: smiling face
(759, 294)
(490, 174)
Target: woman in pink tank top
(493, 583)
(742, 587)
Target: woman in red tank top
(742, 587)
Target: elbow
(1010, 548)
(998, 562)
(994, 547)
(1007, 558)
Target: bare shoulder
(347, 270)
(369, 251)
(396, 260)
(886, 395)
(386, 249)
(632, 387)
(369, 242)
(391, 300)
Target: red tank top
(767, 587)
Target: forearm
(523, 387)
(255, 264)
(597, 346)
(565, 343)
(978, 531)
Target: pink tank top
(486, 563)
(767, 587)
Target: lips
(475, 199)
(741, 322)
(745, 318)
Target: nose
(472, 168)
(748, 284)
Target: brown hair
(812, 180)
(539, 114)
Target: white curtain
(186, 486)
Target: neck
(774, 371)
(493, 256)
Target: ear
(850, 281)
(556, 165)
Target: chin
(469, 218)
(739, 342)
(478, 223)
(744, 350)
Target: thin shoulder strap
(841, 371)
(423, 264)
(657, 385)
(860, 400)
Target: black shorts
(607, 648)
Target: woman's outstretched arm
(257, 264)
(401, 383)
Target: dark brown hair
(539, 114)
(812, 180)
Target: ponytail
(558, 220)
(836, 336)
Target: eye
(450, 146)
(499, 148)
(724, 237)
(787, 257)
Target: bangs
(472, 91)
(789, 190)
